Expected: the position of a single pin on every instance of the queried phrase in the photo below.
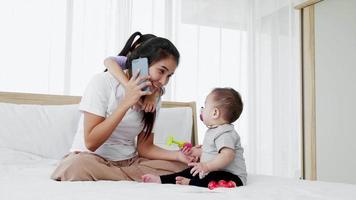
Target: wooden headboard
(45, 99)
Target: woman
(110, 126)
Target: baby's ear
(216, 113)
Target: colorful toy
(180, 144)
(222, 183)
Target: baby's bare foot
(149, 178)
(182, 180)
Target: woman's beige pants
(85, 166)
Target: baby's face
(207, 112)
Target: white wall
(335, 69)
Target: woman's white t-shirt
(101, 97)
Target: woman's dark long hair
(154, 49)
(131, 44)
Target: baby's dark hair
(229, 102)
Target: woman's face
(161, 71)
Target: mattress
(26, 176)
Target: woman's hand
(184, 158)
(194, 152)
(133, 90)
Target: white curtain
(55, 46)
(32, 43)
(98, 29)
(274, 88)
(51, 46)
(252, 46)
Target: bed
(30, 150)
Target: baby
(221, 155)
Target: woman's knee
(75, 167)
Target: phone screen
(142, 65)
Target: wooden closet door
(335, 90)
(328, 30)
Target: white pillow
(48, 130)
(176, 122)
(45, 130)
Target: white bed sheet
(26, 176)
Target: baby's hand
(199, 168)
(149, 103)
(138, 106)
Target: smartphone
(142, 65)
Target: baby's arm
(116, 70)
(224, 158)
(149, 102)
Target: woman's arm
(147, 149)
(98, 129)
(116, 70)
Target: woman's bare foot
(149, 178)
(182, 180)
